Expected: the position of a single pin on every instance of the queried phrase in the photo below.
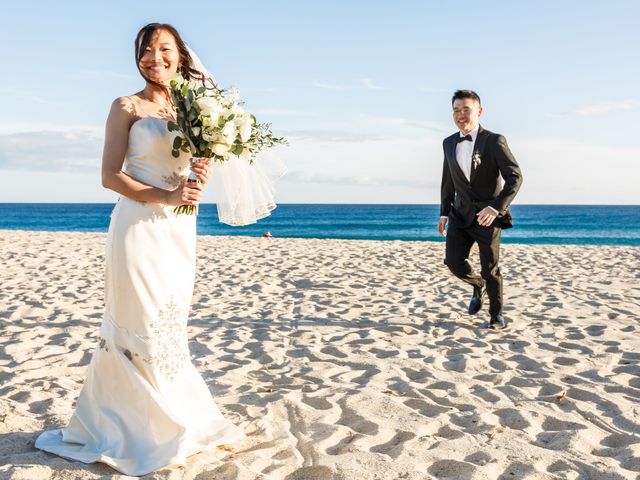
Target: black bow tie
(466, 137)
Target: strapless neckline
(139, 120)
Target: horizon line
(354, 203)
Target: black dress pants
(458, 245)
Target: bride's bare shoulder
(125, 109)
(126, 104)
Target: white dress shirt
(464, 152)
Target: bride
(143, 405)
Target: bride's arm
(115, 148)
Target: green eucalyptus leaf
(237, 149)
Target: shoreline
(275, 237)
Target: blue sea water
(534, 224)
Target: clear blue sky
(361, 89)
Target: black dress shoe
(497, 322)
(476, 301)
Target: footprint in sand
(479, 458)
(549, 389)
(40, 406)
(319, 403)
(598, 330)
(512, 418)
(427, 409)
(560, 466)
(317, 472)
(351, 419)
(418, 376)
(343, 445)
(452, 469)
(565, 361)
(620, 440)
(449, 433)
(498, 365)
(485, 394)
(557, 425)
(334, 352)
(394, 447)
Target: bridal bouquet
(212, 123)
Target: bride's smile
(161, 58)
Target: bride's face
(161, 59)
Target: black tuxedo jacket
(461, 199)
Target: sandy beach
(350, 360)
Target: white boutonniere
(476, 159)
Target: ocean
(533, 224)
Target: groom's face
(466, 112)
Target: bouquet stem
(187, 209)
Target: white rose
(237, 109)
(209, 106)
(220, 149)
(245, 128)
(229, 132)
(207, 137)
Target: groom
(474, 202)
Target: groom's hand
(486, 216)
(442, 223)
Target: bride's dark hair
(142, 42)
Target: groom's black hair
(460, 94)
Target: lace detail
(173, 180)
(168, 334)
(103, 345)
(164, 346)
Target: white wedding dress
(144, 405)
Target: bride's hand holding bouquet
(187, 196)
(212, 124)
